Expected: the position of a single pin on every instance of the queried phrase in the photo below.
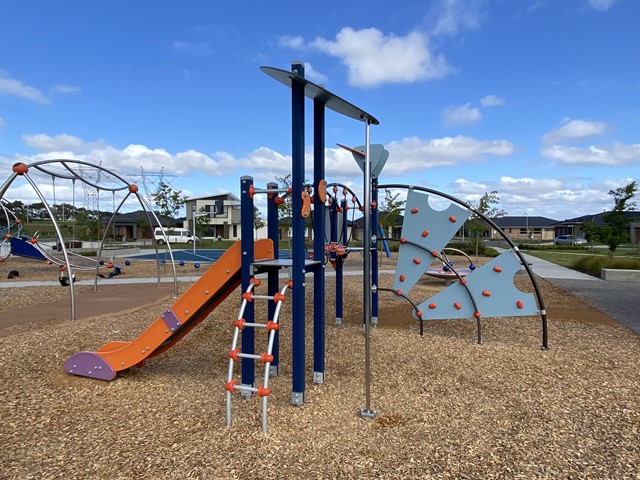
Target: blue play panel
(201, 255)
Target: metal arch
(514, 248)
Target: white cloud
(373, 59)
(15, 88)
(66, 89)
(491, 101)
(554, 146)
(547, 197)
(58, 143)
(617, 154)
(462, 115)
(293, 42)
(414, 154)
(452, 16)
(196, 49)
(601, 5)
(574, 130)
(314, 75)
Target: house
(222, 214)
(575, 226)
(136, 225)
(526, 227)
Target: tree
(169, 201)
(284, 211)
(615, 230)
(487, 206)
(389, 209)
(258, 221)
(202, 221)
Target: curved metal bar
(148, 209)
(460, 279)
(60, 239)
(514, 248)
(336, 184)
(415, 308)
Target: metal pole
(367, 412)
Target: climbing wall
(490, 287)
(430, 230)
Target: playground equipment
(448, 272)
(425, 234)
(75, 170)
(188, 311)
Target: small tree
(169, 201)
(202, 221)
(258, 221)
(488, 206)
(143, 224)
(389, 209)
(615, 230)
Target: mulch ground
(446, 407)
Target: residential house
(526, 227)
(222, 212)
(136, 225)
(575, 226)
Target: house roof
(226, 195)
(523, 221)
(598, 218)
(131, 218)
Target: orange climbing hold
(457, 305)
(414, 210)
(417, 261)
(453, 219)
(403, 277)
(425, 233)
(520, 304)
(432, 306)
(497, 269)
(486, 293)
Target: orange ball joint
(20, 168)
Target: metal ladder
(271, 327)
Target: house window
(235, 231)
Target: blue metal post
(318, 244)
(374, 253)
(273, 231)
(246, 242)
(298, 250)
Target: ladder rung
(245, 388)
(254, 325)
(249, 355)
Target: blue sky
(538, 100)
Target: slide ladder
(271, 328)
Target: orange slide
(188, 311)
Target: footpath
(619, 300)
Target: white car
(569, 240)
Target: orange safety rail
(217, 283)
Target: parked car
(569, 240)
(174, 235)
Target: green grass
(589, 262)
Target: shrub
(470, 249)
(593, 264)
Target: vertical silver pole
(367, 412)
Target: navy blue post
(246, 242)
(318, 243)
(298, 250)
(374, 253)
(273, 233)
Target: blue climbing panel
(429, 228)
(23, 248)
(492, 288)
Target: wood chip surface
(446, 407)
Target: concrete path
(619, 300)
